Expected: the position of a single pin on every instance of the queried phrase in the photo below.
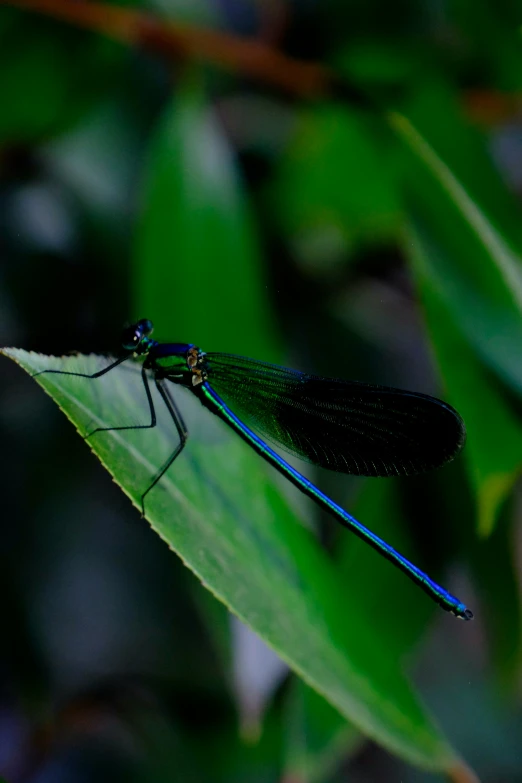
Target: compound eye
(146, 326)
(131, 338)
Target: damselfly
(347, 426)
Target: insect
(346, 426)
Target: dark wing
(341, 425)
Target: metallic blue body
(446, 600)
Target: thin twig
(174, 41)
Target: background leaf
(484, 286)
(197, 261)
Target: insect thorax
(181, 363)
(196, 363)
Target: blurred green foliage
(379, 241)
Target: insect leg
(182, 432)
(135, 426)
(84, 374)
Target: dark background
(292, 223)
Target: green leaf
(219, 509)
(479, 275)
(336, 186)
(496, 573)
(318, 738)
(379, 505)
(33, 85)
(197, 265)
(491, 41)
(48, 80)
(494, 445)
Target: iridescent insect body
(356, 428)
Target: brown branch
(174, 41)
(461, 773)
(489, 108)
